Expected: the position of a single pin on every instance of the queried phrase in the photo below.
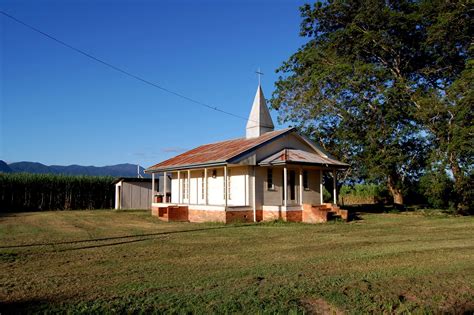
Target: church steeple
(260, 120)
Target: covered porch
(210, 193)
(301, 179)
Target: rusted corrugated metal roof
(299, 156)
(215, 153)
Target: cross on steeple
(259, 73)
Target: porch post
(117, 200)
(179, 187)
(301, 186)
(165, 187)
(225, 186)
(152, 187)
(205, 186)
(334, 185)
(189, 187)
(254, 203)
(285, 186)
(321, 188)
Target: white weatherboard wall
(193, 186)
(238, 187)
(216, 187)
(174, 188)
(238, 190)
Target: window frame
(184, 187)
(306, 180)
(229, 176)
(270, 181)
(203, 179)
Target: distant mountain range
(119, 170)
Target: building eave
(328, 165)
(185, 167)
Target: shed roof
(131, 179)
(286, 156)
(217, 153)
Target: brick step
(331, 211)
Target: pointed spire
(260, 120)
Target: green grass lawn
(107, 261)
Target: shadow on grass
(124, 239)
(26, 306)
(373, 208)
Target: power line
(134, 76)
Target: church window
(270, 185)
(203, 181)
(305, 180)
(185, 186)
(229, 176)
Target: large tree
(363, 83)
(446, 103)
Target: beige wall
(312, 196)
(275, 197)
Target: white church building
(267, 175)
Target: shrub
(362, 194)
(437, 188)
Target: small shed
(136, 193)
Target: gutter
(184, 167)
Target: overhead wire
(127, 73)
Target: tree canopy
(387, 87)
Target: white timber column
(254, 203)
(285, 186)
(165, 188)
(225, 187)
(152, 187)
(117, 200)
(321, 188)
(206, 201)
(188, 186)
(197, 190)
(179, 187)
(246, 186)
(301, 186)
(334, 187)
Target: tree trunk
(457, 173)
(458, 181)
(395, 191)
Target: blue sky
(58, 107)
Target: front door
(290, 188)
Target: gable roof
(286, 156)
(217, 153)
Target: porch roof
(292, 156)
